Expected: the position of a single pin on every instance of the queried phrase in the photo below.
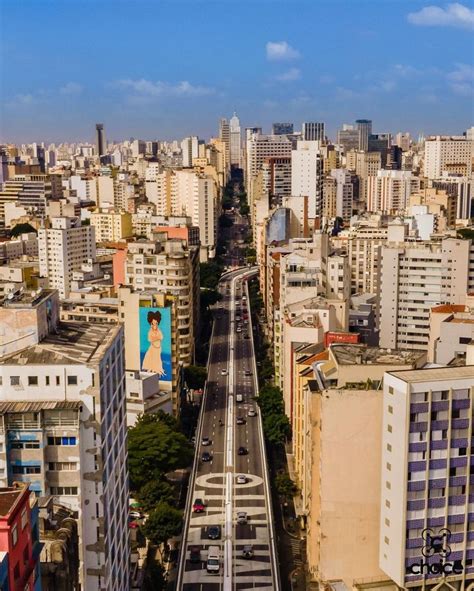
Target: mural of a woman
(152, 360)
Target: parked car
(213, 560)
(214, 532)
(242, 518)
(247, 551)
(206, 441)
(241, 479)
(195, 554)
(199, 506)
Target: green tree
(155, 447)
(22, 229)
(277, 428)
(270, 400)
(195, 376)
(163, 523)
(225, 221)
(209, 274)
(244, 209)
(284, 485)
(154, 492)
(209, 297)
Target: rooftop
(348, 354)
(28, 299)
(8, 499)
(74, 343)
(36, 406)
(435, 374)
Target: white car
(223, 372)
(252, 412)
(241, 479)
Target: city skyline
(153, 78)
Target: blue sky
(166, 69)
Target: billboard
(155, 341)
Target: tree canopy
(195, 376)
(154, 492)
(210, 273)
(155, 446)
(163, 523)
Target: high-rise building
(403, 140)
(282, 128)
(348, 137)
(365, 131)
(414, 277)
(390, 190)
(63, 249)
(62, 403)
(190, 150)
(313, 131)
(307, 176)
(224, 136)
(100, 139)
(259, 147)
(426, 518)
(445, 154)
(111, 225)
(344, 198)
(235, 142)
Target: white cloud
(71, 88)
(289, 75)
(454, 15)
(24, 99)
(281, 51)
(157, 89)
(462, 79)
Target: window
(387, 522)
(47, 380)
(58, 380)
(389, 466)
(62, 466)
(35, 469)
(33, 444)
(387, 503)
(61, 441)
(389, 447)
(14, 380)
(386, 540)
(389, 428)
(24, 518)
(455, 413)
(72, 380)
(64, 490)
(464, 340)
(388, 485)
(134, 394)
(390, 409)
(32, 380)
(390, 390)
(14, 535)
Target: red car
(199, 506)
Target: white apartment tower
(389, 191)
(307, 176)
(63, 249)
(190, 150)
(63, 426)
(344, 193)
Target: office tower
(365, 131)
(307, 176)
(138, 148)
(224, 136)
(426, 519)
(403, 140)
(445, 154)
(313, 131)
(462, 189)
(100, 139)
(348, 137)
(235, 142)
(380, 142)
(414, 277)
(277, 178)
(259, 147)
(29, 193)
(63, 249)
(389, 191)
(344, 197)
(394, 158)
(282, 128)
(62, 403)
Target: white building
(190, 150)
(344, 193)
(389, 191)
(63, 249)
(62, 402)
(259, 147)
(445, 154)
(307, 175)
(235, 142)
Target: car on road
(241, 479)
(199, 506)
(242, 451)
(240, 421)
(246, 335)
(223, 372)
(252, 412)
(195, 554)
(133, 525)
(206, 457)
(135, 515)
(248, 372)
(237, 318)
(213, 560)
(239, 329)
(247, 551)
(206, 441)
(214, 532)
(242, 518)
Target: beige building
(111, 225)
(451, 330)
(448, 154)
(390, 190)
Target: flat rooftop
(347, 354)
(435, 374)
(74, 343)
(8, 498)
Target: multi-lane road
(226, 422)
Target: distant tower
(365, 130)
(224, 136)
(100, 138)
(313, 131)
(235, 141)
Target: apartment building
(389, 191)
(426, 516)
(451, 331)
(307, 176)
(413, 279)
(63, 248)
(30, 193)
(63, 427)
(259, 147)
(448, 154)
(111, 225)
